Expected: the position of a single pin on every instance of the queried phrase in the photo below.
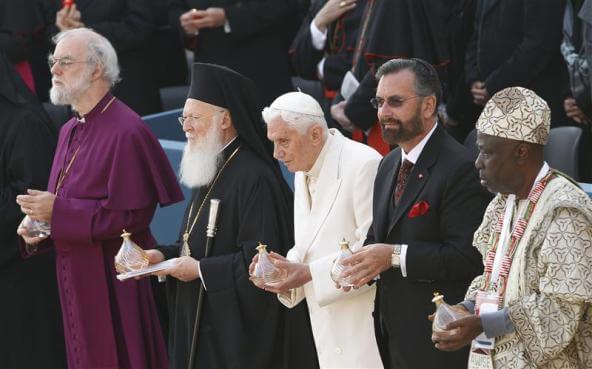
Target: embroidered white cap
(516, 113)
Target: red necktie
(404, 171)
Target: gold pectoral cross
(185, 251)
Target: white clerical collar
(79, 118)
(228, 144)
(415, 152)
(315, 171)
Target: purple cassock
(118, 174)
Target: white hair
(300, 121)
(100, 51)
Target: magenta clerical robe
(118, 174)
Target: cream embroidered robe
(549, 290)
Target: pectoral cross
(185, 251)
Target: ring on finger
(342, 4)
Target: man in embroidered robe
(228, 157)
(540, 228)
(109, 173)
(332, 201)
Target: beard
(403, 131)
(67, 95)
(202, 159)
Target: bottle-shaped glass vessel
(338, 267)
(130, 256)
(265, 271)
(35, 228)
(445, 313)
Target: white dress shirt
(412, 156)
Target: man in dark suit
(517, 43)
(427, 204)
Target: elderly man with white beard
(227, 157)
(109, 173)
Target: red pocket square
(419, 209)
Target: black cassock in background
(30, 318)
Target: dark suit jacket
(440, 256)
(516, 43)
(257, 45)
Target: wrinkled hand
(296, 274)
(338, 113)
(331, 11)
(68, 18)
(368, 262)
(38, 205)
(186, 269)
(479, 92)
(458, 334)
(573, 111)
(194, 20)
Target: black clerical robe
(241, 325)
(30, 319)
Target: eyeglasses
(194, 119)
(63, 63)
(392, 101)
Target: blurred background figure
(323, 49)
(576, 49)
(30, 319)
(458, 113)
(577, 25)
(131, 27)
(516, 43)
(23, 39)
(389, 30)
(251, 37)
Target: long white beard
(202, 159)
(62, 95)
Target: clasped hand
(38, 205)
(194, 20)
